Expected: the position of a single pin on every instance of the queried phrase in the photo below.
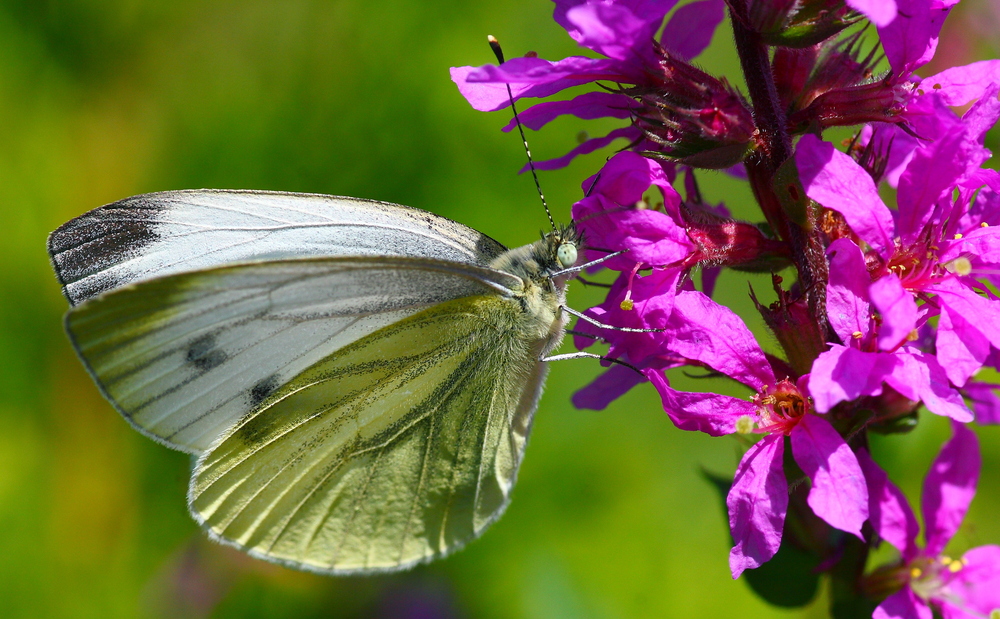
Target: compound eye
(566, 255)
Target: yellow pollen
(641, 205)
(627, 305)
(984, 225)
(945, 560)
(745, 424)
(955, 566)
(916, 572)
(857, 335)
(958, 235)
(912, 336)
(995, 613)
(960, 266)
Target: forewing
(185, 357)
(394, 450)
(161, 233)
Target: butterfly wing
(391, 451)
(184, 357)
(174, 231)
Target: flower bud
(799, 23)
(794, 326)
(881, 101)
(697, 119)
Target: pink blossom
(926, 578)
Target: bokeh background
(104, 99)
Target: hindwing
(395, 449)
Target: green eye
(566, 254)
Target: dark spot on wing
(101, 239)
(203, 354)
(263, 388)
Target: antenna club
(495, 46)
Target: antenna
(495, 46)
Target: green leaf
(789, 579)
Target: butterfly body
(357, 379)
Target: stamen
(959, 266)
(627, 304)
(745, 424)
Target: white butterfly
(357, 378)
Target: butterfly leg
(596, 323)
(590, 355)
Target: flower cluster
(893, 309)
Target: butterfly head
(562, 248)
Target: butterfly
(356, 379)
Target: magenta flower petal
(587, 106)
(959, 355)
(981, 247)
(888, 509)
(651, 237)
(710, 413)
(653, 298)
(903, 604)
(758, 502)
(629, 133)
(977, 584)
(606, 388)
(839, 494)
(880, 12)
(610, 29)
(911, 39)
(538, 71)
(836, 181)
(949, 488)
(842, 374)
(847, 290)
(491, 95)
(627, 175)
(918, 376)
(649, 11)
(960, 85)
(898, 309)
(934, 170)
(981, 118)
(486, 87)
(985, 402)
(702, 330)
(690, 28)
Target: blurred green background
(100, 100)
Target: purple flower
(624, 32)
(707, 334)
(614, 216)
(658, 232)
(932, 247)
(873, 354)
(925, 579)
